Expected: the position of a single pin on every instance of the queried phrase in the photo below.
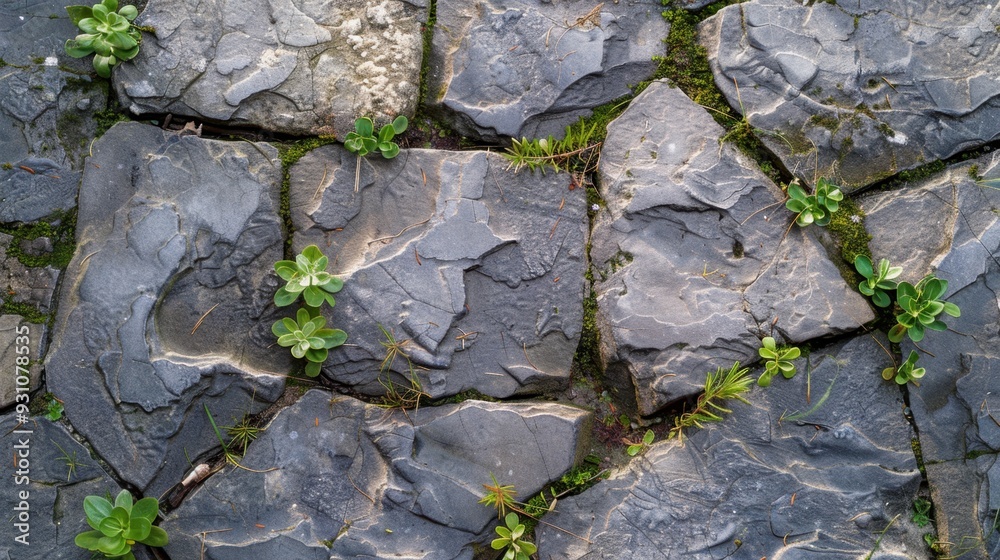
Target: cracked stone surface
(956, 407)
(55, 491)
(693, 259)
(298, 67)
(479, 268)
(342, 479)
(171, 229)
(531, 68)
(20, 339)
(872, 87)
(47, 105)
(756, 486)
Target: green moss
(30, 312)
(63, 238)
(7, 166)
(38, 59)
(974, 173)
(107, 118)
(848, 225)
(828, 122)
(428, 33)
(289, 153)
(886, 130)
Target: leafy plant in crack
(511, 538)
(907, 371)
(308, 339)
(307, 276)
(777, 360)
(636, 447)
(719, 386)
(877, 281)
(363, 141)
(814, 208)
(921, 305)
(561, 155)
(108, 34)
(119, 526)
(921, 512)
(306, 334)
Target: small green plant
(119, 526)
(499, 496)
(53, 408)
(560, 155)
(636, 447)
(921, 512)
(777, 360)
(307, 276)
(306, 335)
(906, 372)
(70, 460)
(363, 141)
(511, 538)
(877, 282)
(108, 34)
(814, 208)
(719, 386)
(242, 434)
(921, 306)
(308, 339)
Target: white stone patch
(898, 138)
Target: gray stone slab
(171, 230)
(54, 490)
(337, 478)
(786, 477)
(531, 68)
(24, 340)
(951, 229)
(479, 269)
(299, 67)
(859, 91)
(697, 262)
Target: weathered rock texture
(59, 474)
(46, 108)
(872, 87)
(694, 261)
(956, 406)
(341, 479)
(479, 268)
(530, 68)
(784, 478)
(20, 339)
(292, 66)
(172, 229)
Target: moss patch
(62, 235)
(289, 153)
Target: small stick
(202, 319)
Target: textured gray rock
(480, 268)
(291, 66)
(31, 285)
(954, 406)
(873, 87)
(171, 230)
(530, 68)
(784, 478)
(46, 101)
(695, 263)
(35, 188)
(20, 339)
(341, 479)
(55, 489)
